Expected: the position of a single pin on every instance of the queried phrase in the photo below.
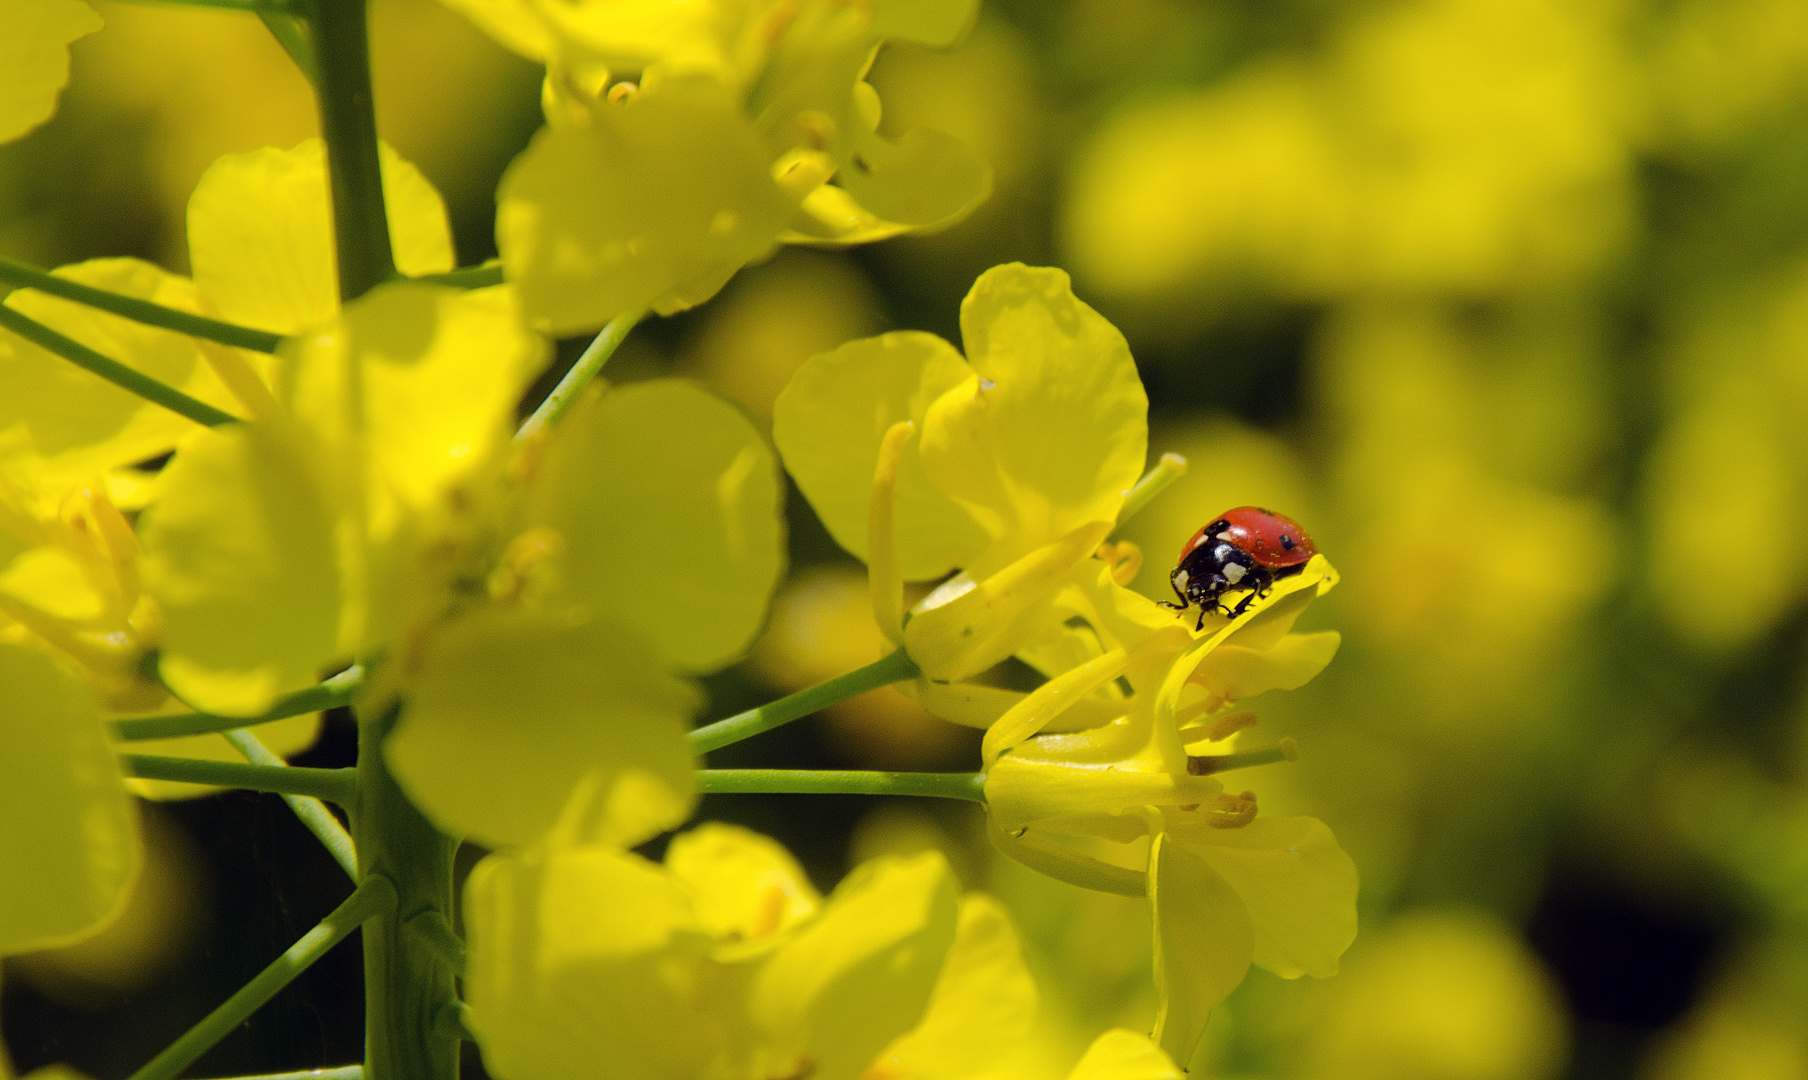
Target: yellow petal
(655, 203)
(68, 831)
(927, 180)
(1203, 944)
(990, 621)
(260, 234)
(581, 955)
(669, 502)
(1023, 791)
(285, 738)
(76, 424)
(241, 553)
(1298, 885)
(984, 1002)
(1125, 1055)
(513, 715)
(1235, 672)
(1051, 431)
(512, 23)
(745, 886)
(443, 369)
(828, 423)
(34, 58)
(862, 973)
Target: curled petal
(1204, 941)
(1234, 672)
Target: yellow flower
(652, 195)
(1227, 886)
(725, 963)
(1027, 448)
(34, 58)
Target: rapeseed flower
(750, 126)
(1028, 449)
(725, 963)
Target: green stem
(1207, 764)
(113, 371)
(896, 667)
(588, 364)
(1170, 468)
(406, 980)
(330, 694)
(24, 276)
(371, 898)
(348, 124)
(467, 277)
(453, 1021)
(337, 785)
(968, 786)
(340, 1073)
(312, 812)
(344, 1072)
(292, 34)
(433, 928)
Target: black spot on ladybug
(1287, 542)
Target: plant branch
(594, 356)
(126, 378)
(337, 785)
(348, 124)
(312, 812)
(896, 667)
(292, 34)
(968, 786)
(330, 694)
(432, 927)
(453, 1021)
(1170, 468)
(13, 272)
(373, 897)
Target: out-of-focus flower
(1440, 996)
(754, 109)
(34, 59)
(1448, 146)
(68, 830)
(1125, 1055)
(1746, 1025)
(725, 962)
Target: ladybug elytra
(1245, 548)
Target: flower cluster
(748, 125)
(1013, 465)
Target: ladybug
(1244, 548)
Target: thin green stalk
(453, 1021)
(435, 930)
(1170, 468)
(330, 694)
(292, 34)
(340, 1073)
(895, 667)
(113, 371)
(371, 898)
(406, 980)
(467, 277)
(348, 125)
(336, 785)
(312, 812)
(1207, 764)
(968, 786)
(588, 364)
(25, 276)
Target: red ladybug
(1245, 548)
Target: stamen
(1170, 468)
(1233, 812)
(1221, 728)
(1206, 764)
(1211, 703)
(1124, 558)
(885, 579)
(623, 91)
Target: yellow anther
(1233, 811)
(525, 554)
(1124, 558)
(623, 91)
